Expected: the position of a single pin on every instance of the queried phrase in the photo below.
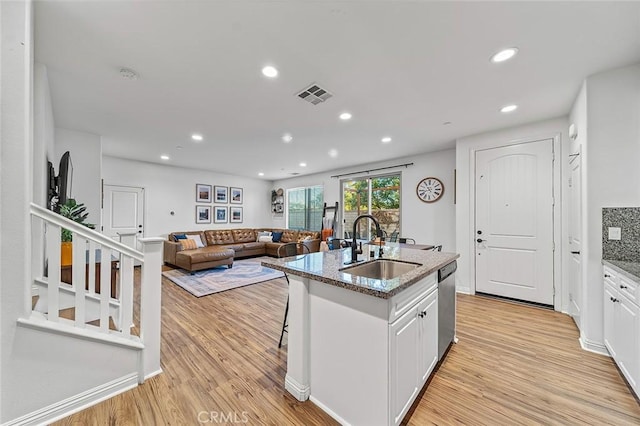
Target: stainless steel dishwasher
(446, 307)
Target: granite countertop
(325, 267)
(630, 269)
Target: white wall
(465, 219)
(169, 188)
(612, 174)
(43, 134)
(427, 223)
(86, 157)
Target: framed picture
(203, 214)
(221, 194)
(220, 214)
(203, 193)
(236, 195)
(236, 214)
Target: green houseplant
(77, 213)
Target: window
(378, 196)
(304, 209)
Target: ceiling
(402, 68)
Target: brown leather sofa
(222, 246)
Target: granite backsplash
(628, 247)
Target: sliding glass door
(378, 196)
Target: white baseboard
(77, 402)
(300, 392)
(594, 347)
(464, 290)
(329, 411)
(153, 373)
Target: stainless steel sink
(381, 269)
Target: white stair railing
(107, 297)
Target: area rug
(244, 272)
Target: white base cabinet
(362, 359)
(622, 324)
(414, 353)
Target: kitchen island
(360, 347)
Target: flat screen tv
(60, 187)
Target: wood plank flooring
(514, 364)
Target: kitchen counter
(630, 269)
(327, 267)
(360, 348)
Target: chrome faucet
(355, 250)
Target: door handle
(575, 252)
(140, 231)
(479, 240)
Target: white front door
(123, 213)
(514, 221)
(575, 229)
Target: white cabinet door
(428, 336)
(627, 325)
(610, 334)
(404, 374)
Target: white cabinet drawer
(405, 300)
(628, 288)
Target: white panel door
(428, 319)
(123, 212)
(575, 230)
(404, 364)
(514, 221)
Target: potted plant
(75, 212)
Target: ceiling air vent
(294, 174)
(314, 94)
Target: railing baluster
(105, 287)
(53, 250)
(126, 294)
(92, 266)
(78, 278)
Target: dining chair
(393, 237)
(437, 248)
(287, 250)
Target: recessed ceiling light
(286, 138)
(270, 71)
(303, 164)
(345, 116)
(386, 139)
(128, 74)
(504, 55)
(446, 123)
(333, 153)
(164, 157)
(196, 137)
(260, 174)
(509, 108)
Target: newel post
(150, 306)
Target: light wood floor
(514, 364)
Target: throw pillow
(263, 234)
(188, 244)
(265, 239)
(177, 237)
(197, 239)
(276, 236)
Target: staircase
(92, 306)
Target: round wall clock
(430, 189)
